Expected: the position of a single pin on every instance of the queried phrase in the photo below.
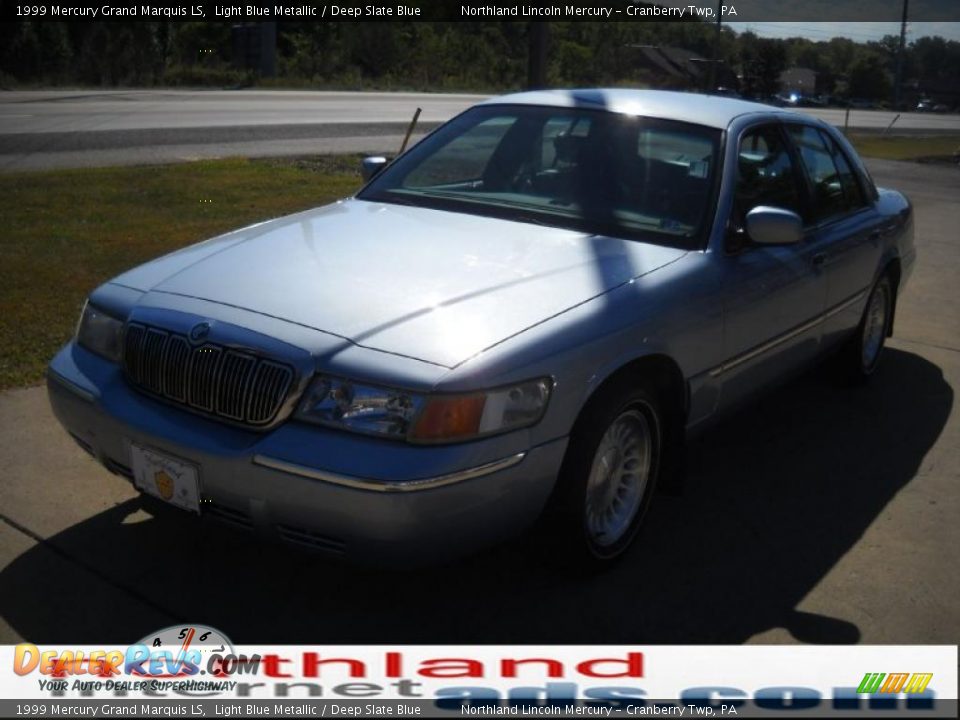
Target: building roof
(711, 110)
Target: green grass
(905, 147)
(65, 232)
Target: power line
(788, 29)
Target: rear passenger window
(835, 187)
(852, 189)
(765, 174)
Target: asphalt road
(58, 129)
(823, 514)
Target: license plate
(165, 477)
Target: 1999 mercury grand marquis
(529, 309)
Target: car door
(773, 295)
(844, 224)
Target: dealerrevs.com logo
(161, 660)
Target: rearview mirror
(774, 226)
(370, 166)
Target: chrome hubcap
(875, 326)
(618, 478)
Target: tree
(762, 61)
(935, 58)
(38, 51)
(868, 78)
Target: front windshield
(586, 170)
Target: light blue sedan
(528, 311)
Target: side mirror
(370, 166)
(774, 226)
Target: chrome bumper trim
(71, 386)
(386, 486)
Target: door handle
(819, 259)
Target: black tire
(620, 402)
(862, 353)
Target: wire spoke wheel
(618, 478)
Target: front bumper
(333, 491)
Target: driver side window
(765, 174)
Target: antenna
(413, 124)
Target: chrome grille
(203, 376)
(234, 373)
(273, 379)
(151, 373)
(176, 363)
(211, 379)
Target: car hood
(428, 284)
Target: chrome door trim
(843, 305)
(778, 340)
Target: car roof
(710, 110)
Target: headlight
(423, 418)
(363, 408)
(100, 333)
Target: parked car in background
(528, 310)
(800, 100)
(928, 105)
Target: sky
(860, 31)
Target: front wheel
(610, 473)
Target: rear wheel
(610, 473)
(864, 350)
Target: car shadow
(775, 496)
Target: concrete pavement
(822, 514)
(49, 129)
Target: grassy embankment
(906, 147)
(66, 231)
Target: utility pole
(715, 55)
(538, 33)
(898, 81)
